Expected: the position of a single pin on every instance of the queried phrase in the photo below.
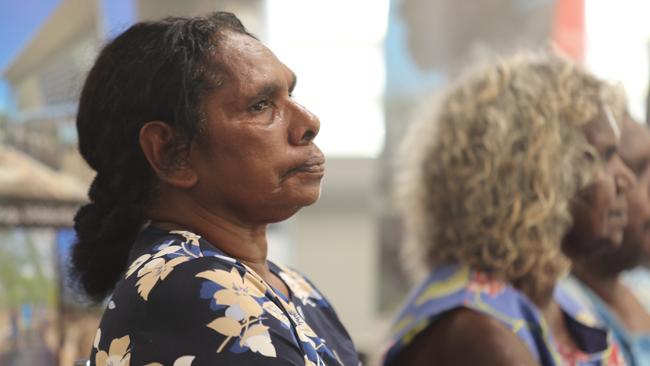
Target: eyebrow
(265, 91)
(273, 88)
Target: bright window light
(617, 46)
(336, 49)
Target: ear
(156, 141)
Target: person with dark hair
(599, 279)
(198, 145)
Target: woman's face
(635, 152)
(256, 160)
(600, 210)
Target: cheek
(638, 207)
(604, 195)
(591, 200)
(589, 210)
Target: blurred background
(363, 67)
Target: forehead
(246, 61)
(635, 142)
(602, 130)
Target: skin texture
(449, 341)
(600, 210)
(254, 163)
(601, 271)
(635, 151)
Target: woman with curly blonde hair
(490, 178)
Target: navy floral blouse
(183, 302)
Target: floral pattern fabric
(182, 302)
(451, 287)
(635, 347)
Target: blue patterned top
(634, 347)
(183, 302)
(452, 287)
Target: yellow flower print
(587, 318)
(299, 286)
(181, 361)
(275, 311)
(308, 362)
(256, 337)
(184, 361)
(237, 291)
(305, 333)
(136, 264)
(98, 336)
(118, 353)
(226, 326)
(167, 250)
(242, 316)
(189, 236)
(155, 270)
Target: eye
(260, 106)
(640, 167)
(589, 156)
(609, 153)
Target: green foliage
(26, 269)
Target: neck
(605, 285)
(243, 241)
(539, 291)
(552, 313)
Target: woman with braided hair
(491, 177)
(198, 145)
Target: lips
(617, 217)
(315, 165)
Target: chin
(288, 211)
(312, 198)
(615, 237)
(306, 196)
(283, 207)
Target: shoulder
(451, 313)
(580, 303)
(465, 337)
(205, 307)
(638, 281)
(172, 268)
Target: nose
(304, 125)
(623, 177)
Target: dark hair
(154, 71)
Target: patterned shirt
(635, 347)
(452, 287)
(183, 302)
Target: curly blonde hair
(488, 172)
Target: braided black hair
(154, 71)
